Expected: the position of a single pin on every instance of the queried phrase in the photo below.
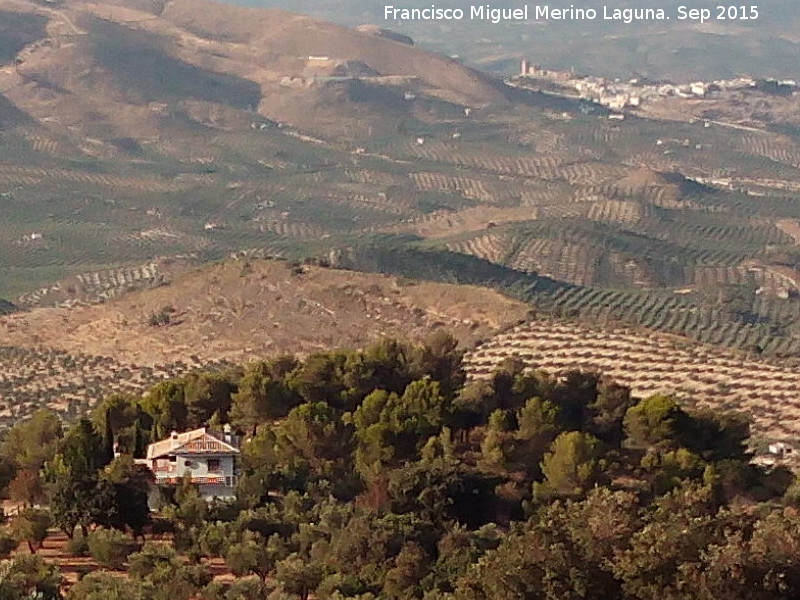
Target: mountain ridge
(86, 53)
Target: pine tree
(139, 448)
(107, 454)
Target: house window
(173, 459)
(213, 465)
(228, 481)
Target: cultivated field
(71, 383)
(650, 364)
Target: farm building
(209, 459)
(781, 449)
(777, 453)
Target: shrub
(197, 575)
(8, 543)
(244, 588)
(78, 545)
(214, 539)
(162, 318)
(253, 555)
(29, 576)
(152, 557)
(31, 526)
(159, 568)
(110, 547)
(159, 319)
(106, 586)
(161, 527)
(216, 590)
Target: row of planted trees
(382, 473)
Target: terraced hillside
(649, 364)
(734, 316)
(70, 383)
(133, 134)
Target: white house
(777, 453)
(781, 449)
(209, 459)
(698, 89)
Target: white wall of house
(198, 466)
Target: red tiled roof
(198, 441)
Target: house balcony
(173, 469)
(204, 480)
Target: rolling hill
(101, 67)
(245, 308)
(220, 315)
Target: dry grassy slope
(284, 33)
(237, 310)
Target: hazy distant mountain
(673, 49)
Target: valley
(140, 141)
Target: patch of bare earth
(238, 310)
(790, 227)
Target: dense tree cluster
(384, 473)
